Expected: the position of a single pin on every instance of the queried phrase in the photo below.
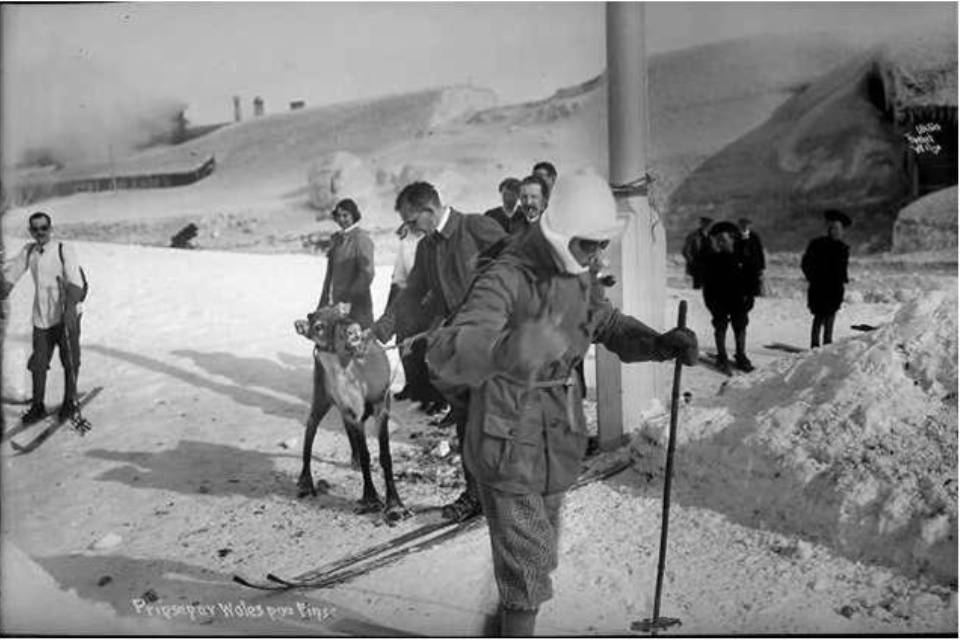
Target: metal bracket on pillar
(634, 188)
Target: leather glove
(679, 342)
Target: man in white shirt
(57, 306)
(417, 387)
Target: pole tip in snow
(652, 625)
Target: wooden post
(624, 392)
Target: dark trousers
(739, 322)
(822, 322)
(44, 341)
(459, 404)
(417, 375)
(524, 536)
(68, 343)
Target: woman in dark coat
(349, 265)
(824, 265)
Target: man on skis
(57, 307)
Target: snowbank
(853, 445)
(927, 224)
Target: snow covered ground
(189, 476)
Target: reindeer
(352, 373)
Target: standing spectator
(824, 265)
(61, 288)
(534, 196)
(349, 265)
(546, 172)
(528, 320)
(752, 249)
(508, 214)
(444, 268)
(695, 245)
(728, 280)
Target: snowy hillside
(701, 100)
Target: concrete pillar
(638, 259)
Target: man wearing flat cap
(528, 320)
(824, 265)
(695, 245)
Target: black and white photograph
(479, 319)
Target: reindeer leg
(354, 439)
(371, 500)
(318, 409)
(394, 511)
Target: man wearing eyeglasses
(444, 266)
(527, 322)
(57, 305)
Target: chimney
(257, 107)
(237, 114)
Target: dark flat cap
(832, 215)
(724, 227)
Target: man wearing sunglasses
(526, 324)
(57, 305)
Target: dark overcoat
(350, 270)
(443, 268)
(729, 281)
(824, 265)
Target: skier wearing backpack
(61, 287)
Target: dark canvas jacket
(444, 266)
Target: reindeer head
(331, 329)
(320, 325)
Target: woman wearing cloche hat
(525, 325)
